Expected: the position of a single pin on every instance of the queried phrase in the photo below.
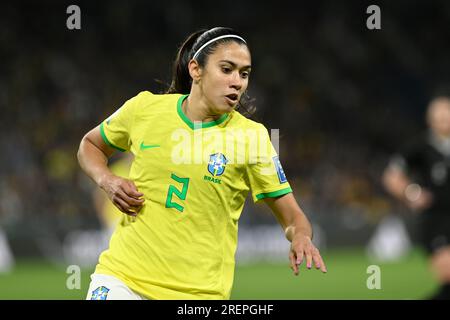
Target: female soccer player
(196, 158)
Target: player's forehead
(233, 52)
(440, 106)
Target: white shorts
(104, 287)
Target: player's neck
(197, 111)
(439, 136)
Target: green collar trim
(197, 125)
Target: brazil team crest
(216, 164)
(100, 293)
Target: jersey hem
(273, 194)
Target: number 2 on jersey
(180, 194)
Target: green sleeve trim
(201, 125)
(102, 131)
(273, 194)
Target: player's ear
(195, 71)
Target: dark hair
(181, 79)
(441, 91)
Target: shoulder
(147, 102)
(145, 98)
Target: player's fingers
(123, 206)
(299, 257)
(323, 267)
(308, 259)
(117, 205)
(294, 267)
(133, 194)
(291, 265)
(137, 209)
(133, 202)
(317, 259)
(132, 190)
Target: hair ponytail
(181, 79)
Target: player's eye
(226, 70)
(245, 74)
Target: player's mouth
(232, 98)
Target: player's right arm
(93, 155)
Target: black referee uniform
(426, 161)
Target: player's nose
(236, 82)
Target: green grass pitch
(347, 277)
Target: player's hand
(303, 249)
(422, 202)
(440, 263)
(123, 194)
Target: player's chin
(229, 105)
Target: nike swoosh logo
(148, 146)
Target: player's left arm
(297, 230)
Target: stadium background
(344, 98)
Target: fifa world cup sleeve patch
(100, 293)
(279, 168)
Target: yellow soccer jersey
(195, 178)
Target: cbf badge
(216, 165)
(100, 293)
(281, 176)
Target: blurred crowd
(344, 97)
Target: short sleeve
(116, 129)
(265, 173)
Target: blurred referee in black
(419, 176)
